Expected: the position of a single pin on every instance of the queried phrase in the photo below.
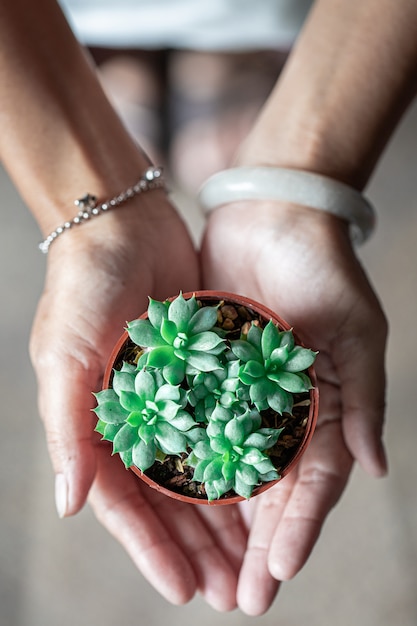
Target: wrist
(103, 168)
(91, 207)
(269, 224)
(121, 232)
(297, 138)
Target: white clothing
(230, 25)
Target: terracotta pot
(263, 311)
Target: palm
(300, 263)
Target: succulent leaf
(270, 339)
(179, 313)
(127, 368)
(126, 457)
(202, 449)
(255, 337)
(100, 427)
(252, 456)
(234, 431)
(259, 440)
(213, 490)
(125, 438)
(194, 435)
(241, 488)
(279, 356)
(260, 389)
(254, 369)
(245, 351)
(247, 474)
(142, 333)
(199, 469)
(167, 409)
(288, 381)
(111, 431)
(161, 357)
(135, 419)
(131, 401)
(169, 331)
(147, 432)
(219, 444)
(143, 455)
(123, 381)
(203, 362)
(266, 468)
(168, 392)
(280, 401)
(145, 386)
(204, 341)
(183, 421)
(213, 470)
(157, 312)
(170, 440)
(106, 395)
(221, 414)
(193, 305)
(174, 373)
(227, 399)
(287, 340)
(203, 320)
(228, 471)
(300, 359)
(111, 412)
(215, 428)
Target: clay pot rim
(314, 397)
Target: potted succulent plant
(209, 397)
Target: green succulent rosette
(223, 386)
(179, 337)
(144, 417)
(273, 367)
(232, 455)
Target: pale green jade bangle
(294, 186)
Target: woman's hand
(300, 263)
(99, 276)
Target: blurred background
(364, 568)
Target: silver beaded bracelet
(152, 178)
(295, 186)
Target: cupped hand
(98, 277)
(300, 263)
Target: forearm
(59, 136)
(348, 80)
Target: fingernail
(61, 495)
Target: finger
(359, 358)
(266, 517)
(215, 574)
(65, 400)
(257, 588)
(229, 531)
(119, 502)
(322, 477)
